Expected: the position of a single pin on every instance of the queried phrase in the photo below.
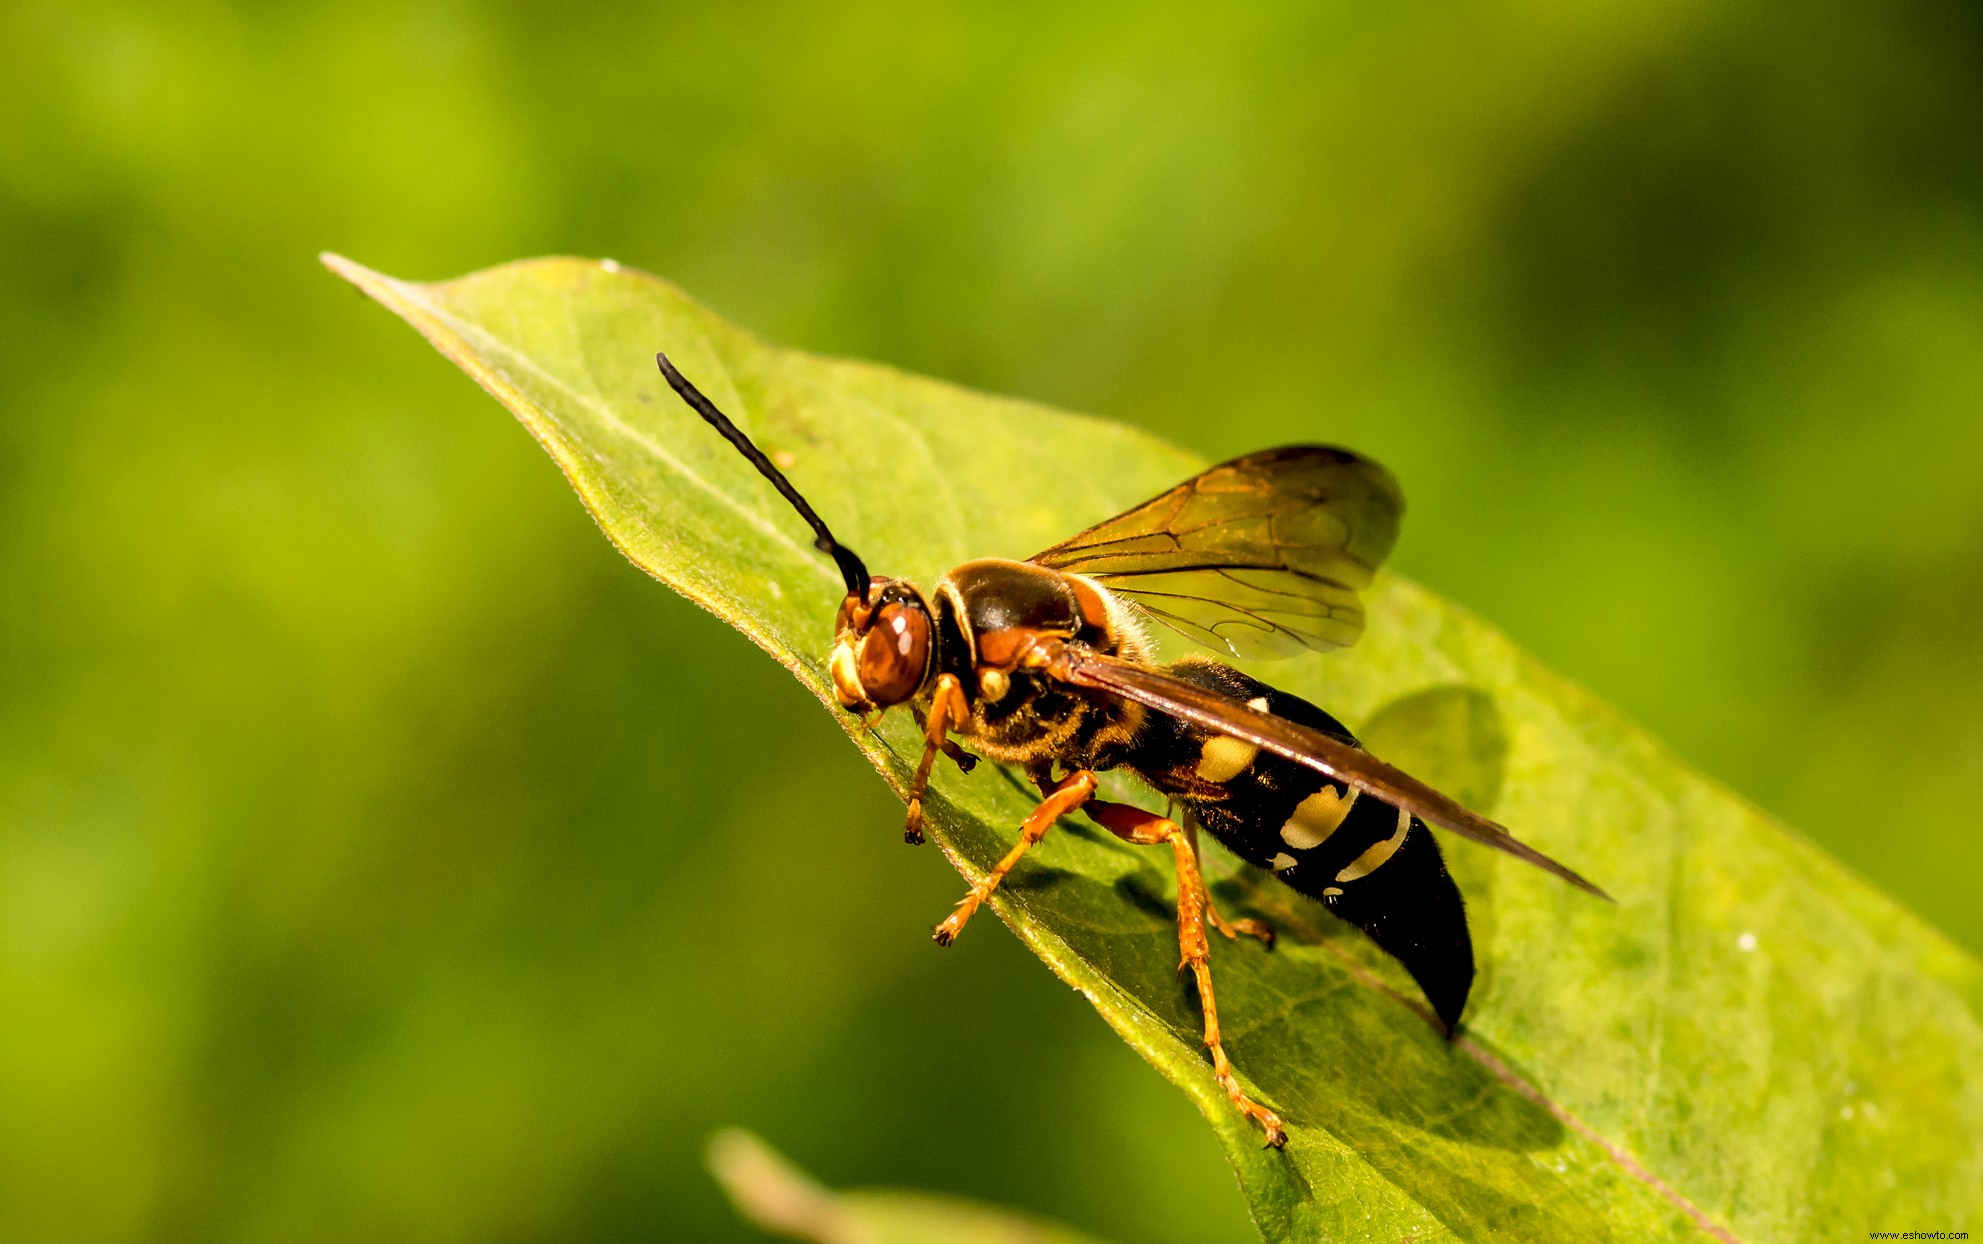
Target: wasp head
(881, 640)
(881, 646)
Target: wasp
(1047, 665)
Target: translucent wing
(1262, 556)
(1301, 744)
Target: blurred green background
(382, 858)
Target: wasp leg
(965, 761)
(1069, 795)
(1233, 929)
(947, 707)
(1148, 829)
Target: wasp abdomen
(1372, 863)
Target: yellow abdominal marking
(1331, 891)
(1316, 817)
(1282, 862)
(1373, 859)
(1224, 758)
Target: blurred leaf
(1751, 1044)
(777, 1196)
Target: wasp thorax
(881, 652)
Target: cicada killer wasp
(1047, 665)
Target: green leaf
(777, 1196)
(1751, 1044)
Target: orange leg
(1233, 929)
(1066, 797)
(947, 709)
(1148, 829)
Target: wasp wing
(1262, 556)
(1301, 744)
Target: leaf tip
(345, 268)
(375, 285)
(767, 1189)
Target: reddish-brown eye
(895, 654)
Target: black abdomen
(1371, 863)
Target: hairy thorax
(1037, 723)
(1001, 615)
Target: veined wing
(1331, 757)
(1262, 556)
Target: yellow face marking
(1258, 703)
(1282, 862)
(1224, 758)
(1373, 859)
(1316, 817)
(846, 676)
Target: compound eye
(895, 653)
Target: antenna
(851, 568)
